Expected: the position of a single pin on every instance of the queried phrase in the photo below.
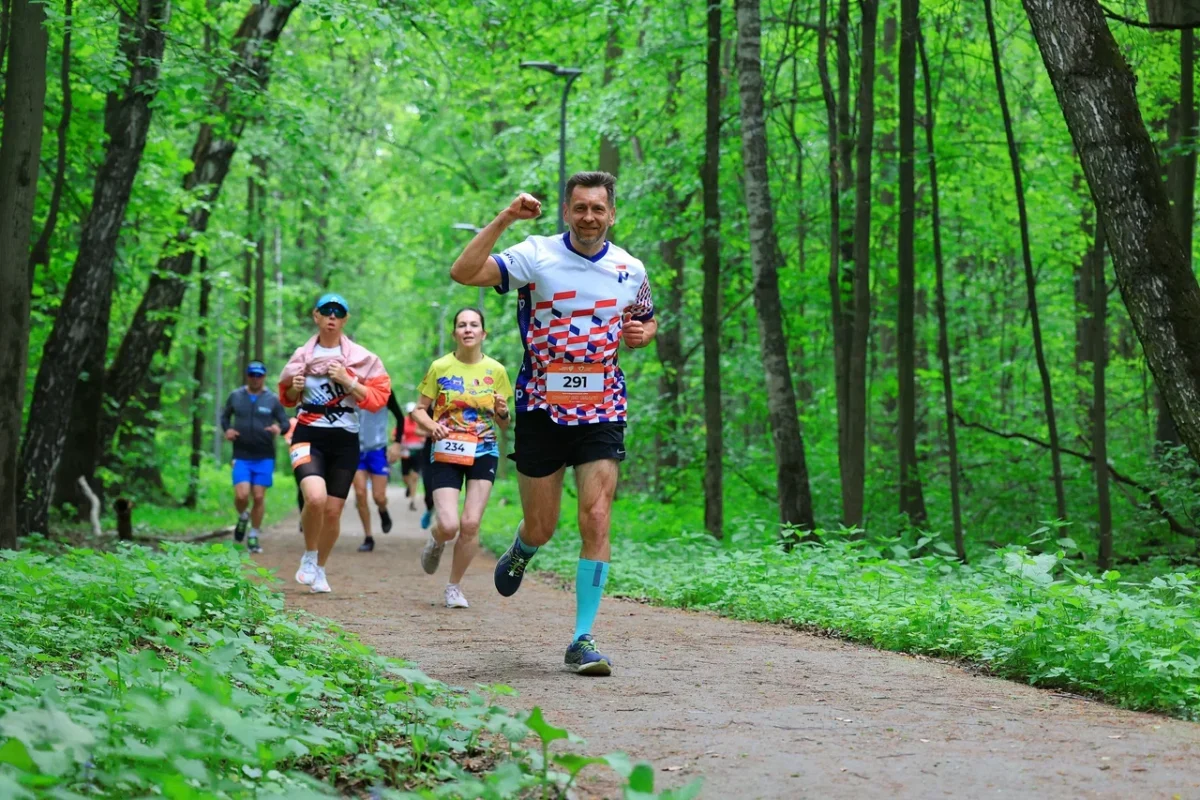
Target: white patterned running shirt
(570, 311)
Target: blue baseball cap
(256, 368)
(333, 297)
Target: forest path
(759, 711)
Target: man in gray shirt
(252, 418)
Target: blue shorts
(256, 471)
(374, 462)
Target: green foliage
(179, 673)
(1037, 616)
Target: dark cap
(256, 368)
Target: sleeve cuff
(502, 287)
(644, 317)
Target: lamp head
(544, 65)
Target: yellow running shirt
(464, 395)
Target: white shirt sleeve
(518, 266)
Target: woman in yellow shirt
(464, 399)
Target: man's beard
(596, 237)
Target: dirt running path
(759, 711)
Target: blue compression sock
(527, 550)
(590, 577)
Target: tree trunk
(854, 471)
(1014, 157)
(87, 393)
(1096, 91)
(82, 318)
(960, 547)
(1181, 186)
(610, 154)
(795, 503)
(199, 365)
(211, 155)
(670, 330)
(260, 273)
(41, 249)
(1099, 350)
(247, 293)
(710, 313)
(841, 267)
(20, 147)
(912, 499)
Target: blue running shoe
(510, 569)
(583, 657)
(426, 518)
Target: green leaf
(642, 778)
(545, 731)
(13, 752)
(573, 762)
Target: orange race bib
(457, 448)
(300, 453)
(574, 384)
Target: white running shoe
(454, 597)
(307, 571)
(320, 584)
(431, 556)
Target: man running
(579, 296)
(373, 468)
(252, 418)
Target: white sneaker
(431, 556)
(454, 597)
(319, 583)
(307, 571)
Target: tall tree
(610, 154)
(216, 142)
(960, 547)
(82, 322)
(854, 469)
(912, 499)
(41, 248)
(260, 270)
(669, 341)
(20, 146)
(1095, 89)
(710, 311)
(1099, 352)
(1014, 157)
(795, 502)
(841, 267)
(199, 364)
(246, 348)
(1181, 183)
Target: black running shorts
(542, 446)
(439, 475)
(329, 453)
(410, 465)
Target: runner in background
(463, 400)
(412, 444)
(252, 418)
(579, 297)
(331, 377)
(373, 468)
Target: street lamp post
(466, 226)
(570, 73)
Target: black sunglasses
(332, 310)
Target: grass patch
(1025, 615)
(179, 673)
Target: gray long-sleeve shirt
(250, 415)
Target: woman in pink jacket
(330, 377)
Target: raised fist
(525, 206)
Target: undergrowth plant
(178, 673)
(1018, 612)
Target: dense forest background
(207, 168)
